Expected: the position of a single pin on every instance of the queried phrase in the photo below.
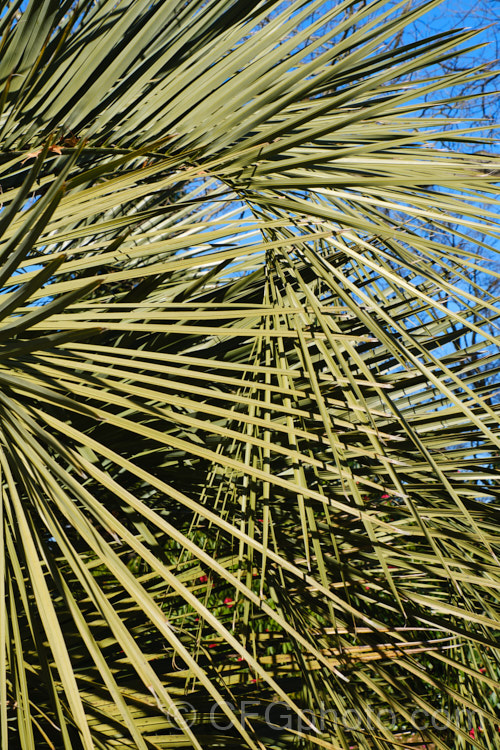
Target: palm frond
(248, 449)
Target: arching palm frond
(248, 448)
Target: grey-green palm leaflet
(249, 436)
